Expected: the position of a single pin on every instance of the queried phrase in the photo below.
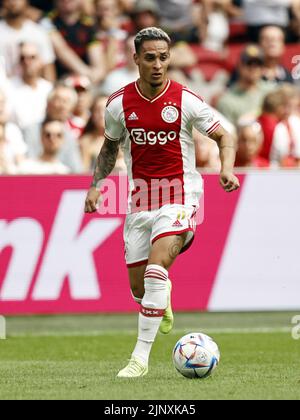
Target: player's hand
(92, 200)
(229, 181)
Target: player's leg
(172, 233)
(172, 219)
(154, 303)
(166, 247)
(165, 250)
(137, 246)
(174, 250)
(136, 278)
(137, 286)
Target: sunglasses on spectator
(27, 57)
(50, 134)
(252, 63)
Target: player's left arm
(227, 146)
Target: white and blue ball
(196, 356)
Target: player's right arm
(207, 123)
(105, 164)
(107, 158)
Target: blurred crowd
(61, 59)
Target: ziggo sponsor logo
(142, 137)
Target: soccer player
(153, 119)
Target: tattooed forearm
(106, 161)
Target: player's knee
(161, 261)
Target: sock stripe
(152, 313)
(156, 274)
(156, 270)
(155, 277)
(159, 268)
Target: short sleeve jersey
(158, 143)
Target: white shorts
(144, 228)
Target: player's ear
(136, 59)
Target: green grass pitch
(78, 358)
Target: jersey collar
(156, 97)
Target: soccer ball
(196, 356)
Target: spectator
(110, 32)
(65, 55)
(285, 150)
(60, 107)
(81, 113)
(127, 5)
(182, 54)
(80, 33)
(123, 76)
(280, 122)
(93, 138)
(293, 94)
(63, 52)
(260, 13)
(177, 18)
(295, 22)
(145, 15)
(48, 163)
(32, 13)
(250, 139)
(15, 29)
(12, 146)
(214, 23)
(273, 111)
(29, 91)
(247, 94)
(272, 42)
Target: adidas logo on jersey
(133, 117)
(177, 224)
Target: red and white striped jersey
(158, 143)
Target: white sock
(153, 307)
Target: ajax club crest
(170, 114)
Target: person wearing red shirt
(250, 139)
(153, 118)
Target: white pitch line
(100, 333)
